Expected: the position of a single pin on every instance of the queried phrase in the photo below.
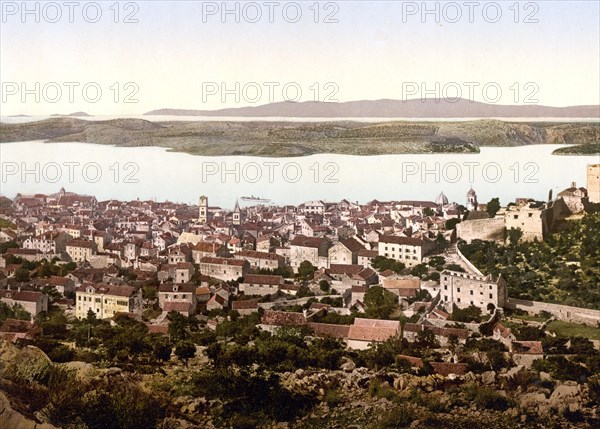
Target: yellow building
(106, 300)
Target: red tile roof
(283, 318)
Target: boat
(254, 199)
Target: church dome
(441, 200)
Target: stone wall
(481, 229)
(561, 312)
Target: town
(368, 275)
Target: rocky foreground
(347, 398)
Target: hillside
(280, 139)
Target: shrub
(399, 417)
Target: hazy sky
(182, 54)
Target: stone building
(224, 268)
(32, 302)
(593, 183)
(170, 293)
(203, 210)
(80, 250)
(407, 250)
(472, 200)
(463, 290)
(531, 218)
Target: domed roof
(441, 200)
(471, 192)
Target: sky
(146, 55)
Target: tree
(426, 339)
(514, 235)
(451, 223)
(91, 317)
(161, 350)
(493, 206)
(419, 270)
(185, 350)
(306, 269)
(381, 263)
(427, 211)
(466, 315)
(324, 285)
(22, 275)
(178, 325)
(8, 245)
(380, 303)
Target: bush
(332, 398)
(380, 389)
(61, 354)
(486, 398)
(399, 417)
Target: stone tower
(203, 210)
(593, 182)
(237, 214)
(471, 200)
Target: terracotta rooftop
(330, 330)
(283, 318)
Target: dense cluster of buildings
(204, 257)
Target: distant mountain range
(429, 108)
(75, 115)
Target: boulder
(347, 365)
(10, 418)
(565, 395)
(488, 377)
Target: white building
(463, 290)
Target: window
(490, 296)
(457, 299)
(471, 292)
(516, 216)
(457, 289)
(445, 287)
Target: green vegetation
(284, 139)
(6, 224)
(15, 311)
(564, 269)
(581, 149)
(471, 314)
(381, 263)
(380, 303)
(493, 206)
(566, 329)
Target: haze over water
(128, 173)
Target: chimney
(573, 185)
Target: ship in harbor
(253, 199)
